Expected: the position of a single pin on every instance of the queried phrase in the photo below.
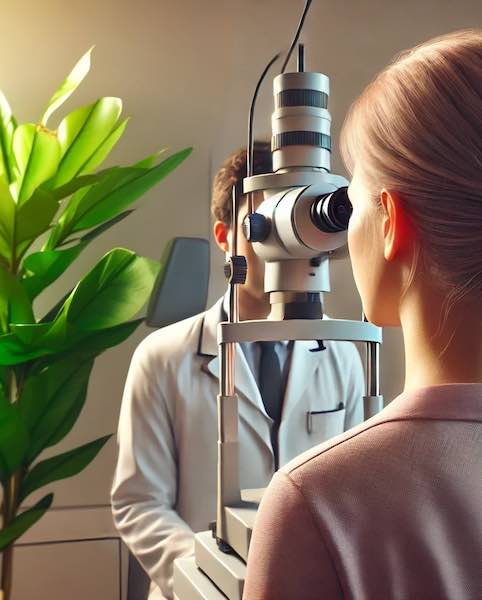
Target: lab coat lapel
(207, 344)
(244, 381)
(250, 405)
(303, 365)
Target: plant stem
(10, 511)
(7, 571)
(10, 504)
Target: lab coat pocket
(323, 425)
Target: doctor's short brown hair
(232, 172)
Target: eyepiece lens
(331, 212)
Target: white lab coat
(165, 482)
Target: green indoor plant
(53, 202)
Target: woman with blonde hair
(392, 509)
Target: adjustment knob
(236, 269)
(256, 227)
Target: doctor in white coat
(164, 488)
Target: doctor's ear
(398, 232)
(221, 231)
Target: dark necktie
(271, 389)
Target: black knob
(236, 269)
(256, 227)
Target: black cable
(301, 58)
(249, 158)
(250, 147)
(297, 34)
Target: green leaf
(4, 383)
(149, 161)
(77, 183)
(7, 222)
(35, 215)
(69, 85)
(77, 206)
(14, 352)
(114, 291)
(7, 129)
(61, 466)
(98, 342)
(15, 305)
(31, 335)
(110, 196)
(24, 521)
(4, 377)
(88, 237)
(90, 346)
(81, 133)
(78, 186)
(14, 439)
(37, 155)
(52, 314)
(51, 401)
(91, 235)
(103, 202)
(104, 149)
(40, 269)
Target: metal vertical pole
(373, 401)
(229, 491)
(373, 369)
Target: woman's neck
(435, 354)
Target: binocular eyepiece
(331, 212)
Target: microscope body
(302, 220)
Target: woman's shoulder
(410, 433)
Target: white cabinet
(71, 554)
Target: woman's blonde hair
(417, 130)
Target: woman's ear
(221, 231)
(397, 228)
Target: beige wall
(186, 71)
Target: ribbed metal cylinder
(301, 121)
